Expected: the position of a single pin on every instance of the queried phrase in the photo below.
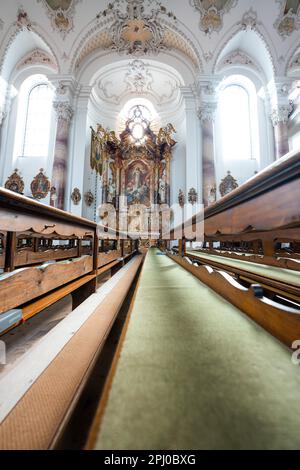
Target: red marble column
(280, 118)
(60, 165)
(207, 116)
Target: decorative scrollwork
(181, 198)
(228, 184)
(193, 196)
(89, 198)
(76, 196)
(136, 31)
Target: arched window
(238, 114)
(38, 121)
(34, 118)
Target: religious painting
(40, 185)
(15, 183)
(138, 184)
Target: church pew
(65, 377)
(280, 320)
(43, 249)
(252, 235)
(262, 215)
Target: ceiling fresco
(212, 12)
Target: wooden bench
(46, 253)
(252, 236)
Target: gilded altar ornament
(181, 198)
(103, 143)
(165, 136)
(15, 183)
(89, 198)
(228, 184)
(136, 167)
(193, 196)
(76, 196)
(40, 186)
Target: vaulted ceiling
(205, 35)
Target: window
(138, 124)
(38, 121)
(239, 119)
(235, 122)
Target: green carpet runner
(195, 373)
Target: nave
(194, 372)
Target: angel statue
(165, 135)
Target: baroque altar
(137, 165)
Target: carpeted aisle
(195, 373)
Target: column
(206, 115)
(64, 112)
(79, 168)
(208, 93)
(279, 91)
(193, 144)
(280, 117)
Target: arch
(95, 39)
(34, 118)
(240, 62)
(240, 91)
(234, 40)
(30, 40)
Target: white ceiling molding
(37, 57)
(238, 57)
(61, 14)
(173, 41)
(289, 17)
(125, 80)
(248, 23)
(23, 26)
(212, 12)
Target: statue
(111, 191)
(165, 135)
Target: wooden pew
(259, 223)
(45, 254)
(261, 218)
